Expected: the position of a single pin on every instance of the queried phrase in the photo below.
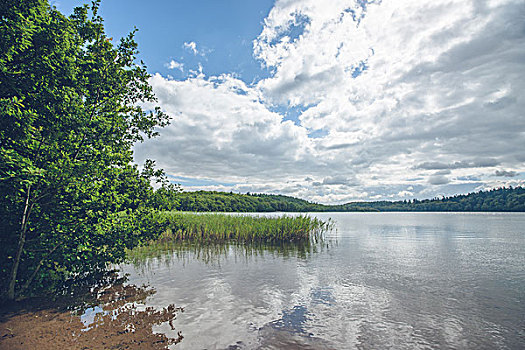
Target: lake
(380, 280)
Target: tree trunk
(21, 242)
(30, 279)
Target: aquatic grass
(241, 228)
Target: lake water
(381, 280)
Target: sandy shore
(116, 324)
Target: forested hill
(234, 202)
(502, 199)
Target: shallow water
(382, 280)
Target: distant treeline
(501, 199)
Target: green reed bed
(241, 228)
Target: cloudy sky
(334, 100)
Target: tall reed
(240, 228)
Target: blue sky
(222, 29)
(333, 100)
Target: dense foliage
(69, 106)
(234, 202)
(502, 199)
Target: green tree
(166, 197)
(70, 114)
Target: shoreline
(117, 322)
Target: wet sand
(118, 322)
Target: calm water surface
(382, 280)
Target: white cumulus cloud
(175, 65)
(408, 97)
(191, 46)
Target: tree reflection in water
(111, 315)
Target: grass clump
(240, 228)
